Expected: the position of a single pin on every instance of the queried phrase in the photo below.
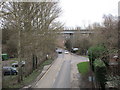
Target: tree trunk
(119, 45)
(20, 76)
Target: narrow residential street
(63, 73)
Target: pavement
(75, 75)
(48, 79)
(63, 73)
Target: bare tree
(35, 26)
(106, 32)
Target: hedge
(100, 72)
(96, 52)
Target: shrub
(95, 52)
(100, 72)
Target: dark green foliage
(98, 51)
(100, 72)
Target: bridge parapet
(77, 31)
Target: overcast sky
(84, 12)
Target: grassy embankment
(83, 67)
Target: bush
(100, 72)
(95, 52)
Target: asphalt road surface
(63, 73)
(63, 78)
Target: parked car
(9, 71)
(15, 64)
(74, 50)
(59, 51)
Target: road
(63, 73)
(63, 78)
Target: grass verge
(83, 67)
(85, 56)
